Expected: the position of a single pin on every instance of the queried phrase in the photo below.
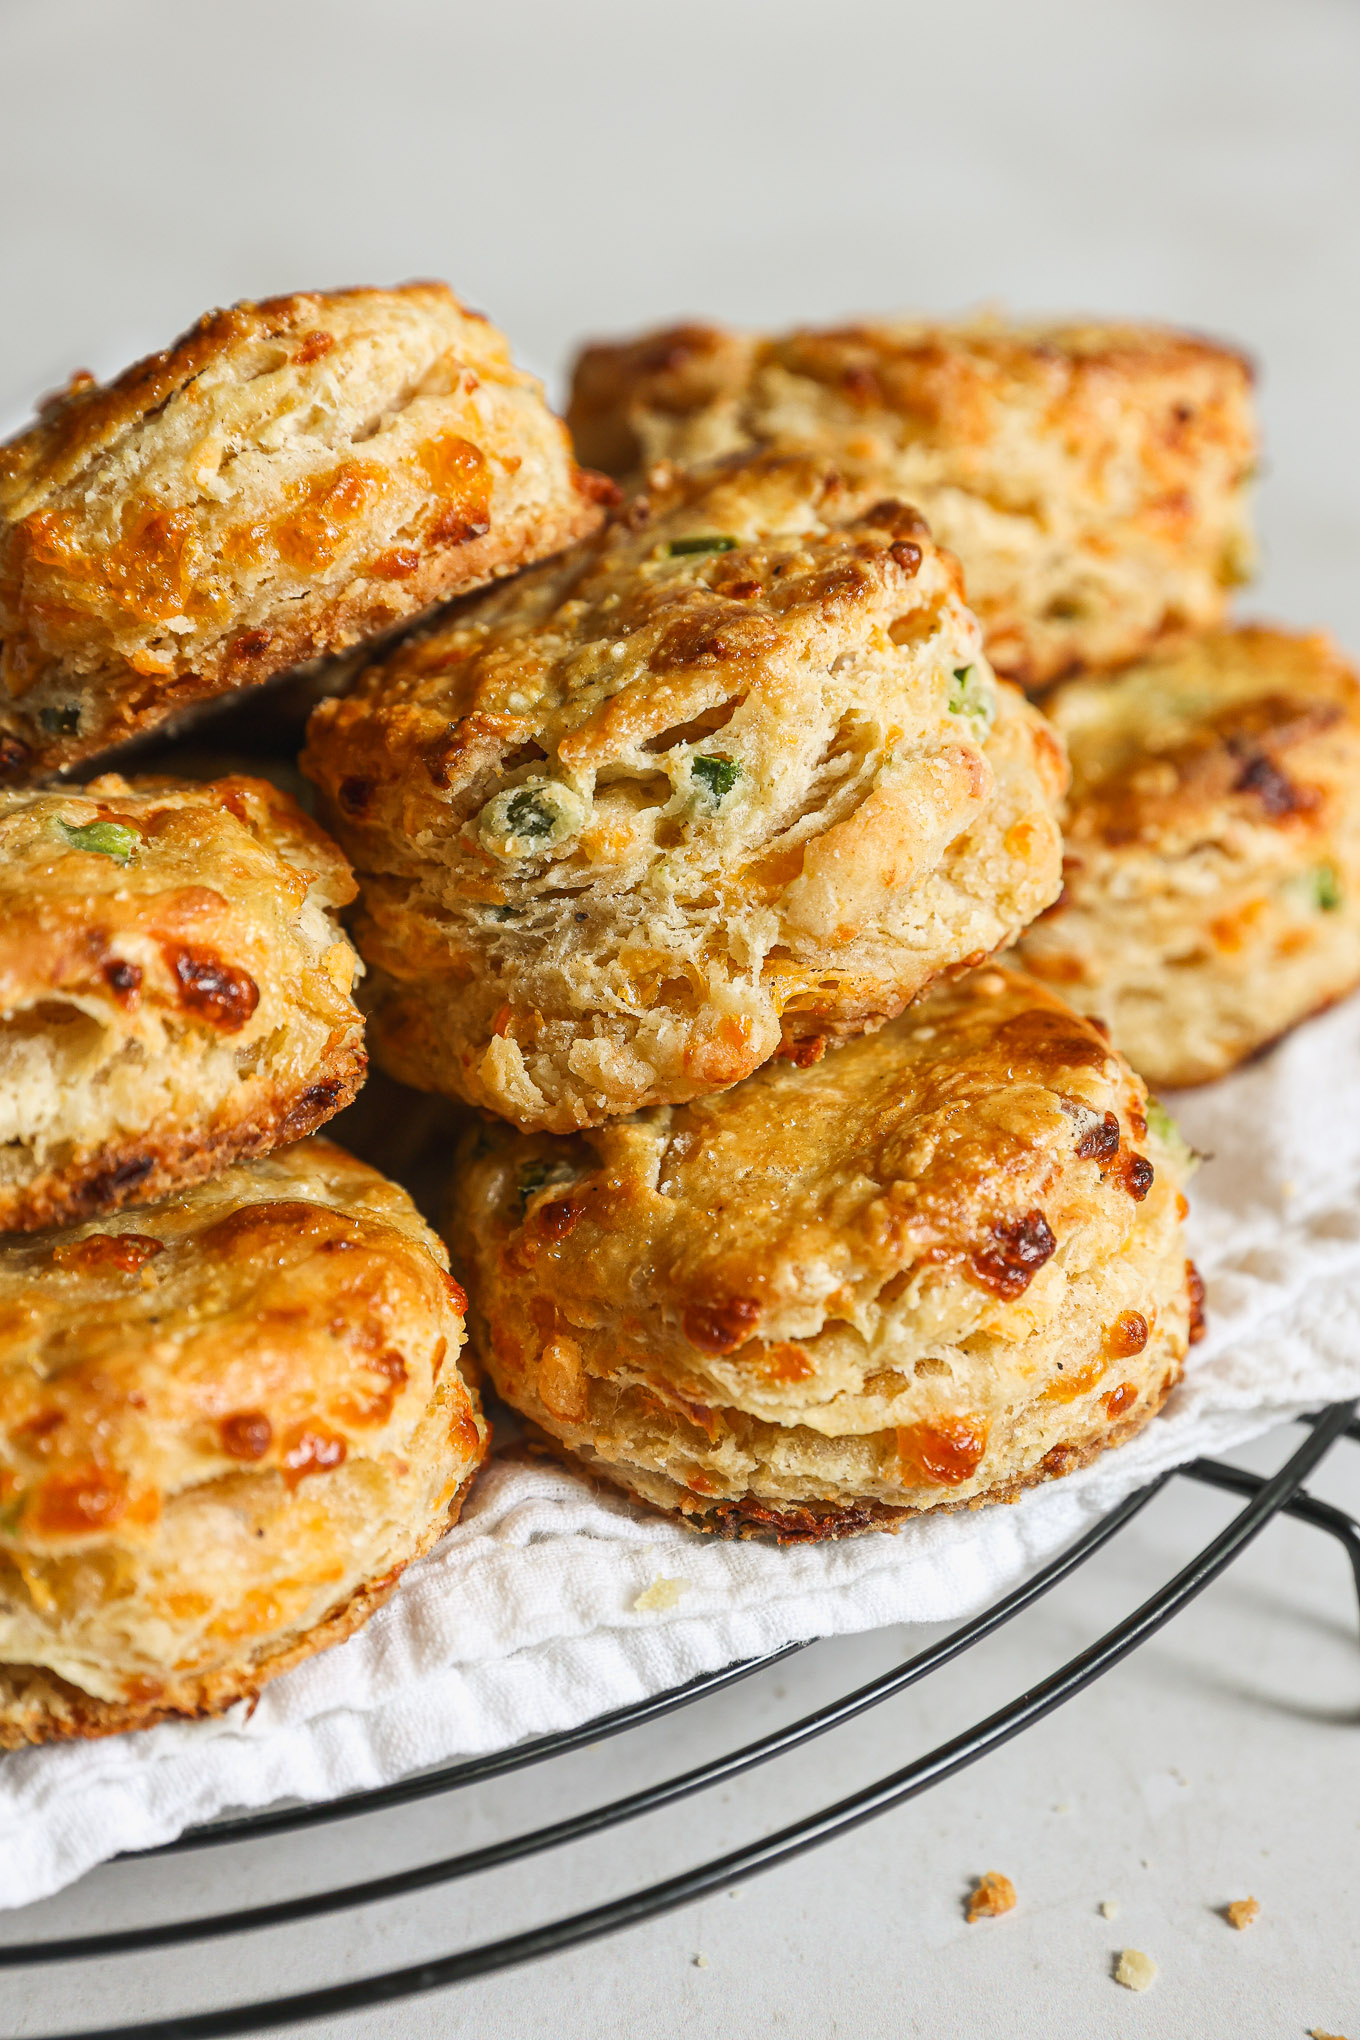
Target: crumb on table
(992, 1894)
(1241, 1912)
(1134, 1969)
(1109, 1907)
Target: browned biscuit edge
(37, 1706)
(748, 1518)
(174, 1156)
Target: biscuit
(1090, 477)
(288, 478)
(731, 780)
(1212, 870)
(175, 989)
(227, 1422)
(942, 1264)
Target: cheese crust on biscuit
(733, 780)
(1211, 894)
(227, 1422)
(1091, 477)
(286, 480)
(943, 1264)
(175, 988)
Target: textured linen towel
(525, 1617)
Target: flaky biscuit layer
(175, 988)
(730, 781)
(227, 1421)
(941, 1264)
(1211, 893)
(287, 479)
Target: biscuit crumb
(1316, 2033)
(1241, 1912)
(701, 1962)
(992, 1894)
(661, 1595)
(1134, 1969)
(1109, 1907)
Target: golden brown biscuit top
(935, 370)
(972, 1138)
(286, 1315)
(948, 383)
(200, 872)
(285, 479)
(702, 605)
(1217, 723)
(283, 354)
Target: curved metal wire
(1266, 1497)
(1307, 1508)
(597, 1818)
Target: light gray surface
(580, 169)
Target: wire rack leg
(1304, 1508)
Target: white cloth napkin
(525, 1618)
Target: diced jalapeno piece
(702, 542)
(104, 839)
(1327, 888)
(528, 816)
(970, 694)
(1169, 1134)
(718, 776)
(527, 819)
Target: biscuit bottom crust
(36, 1706)
(784, 1503)
(170, 1157)
(748, 1516)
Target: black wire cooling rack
(1263, 1497)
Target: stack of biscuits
(677, 813)
(683, 858)
(232, 1400)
